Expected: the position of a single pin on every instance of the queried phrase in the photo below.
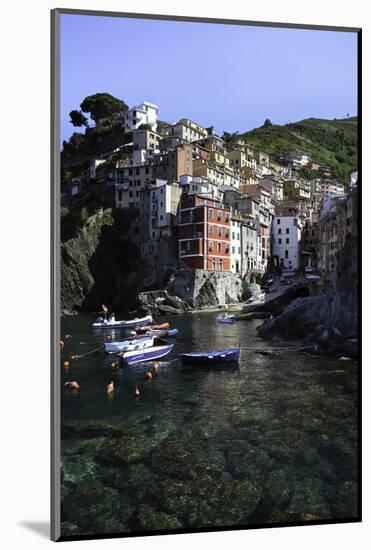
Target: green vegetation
(330, 142)
(104, 107)
(78, 119)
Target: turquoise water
(274, 440)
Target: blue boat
(211, 357)
(146, 354)
(226, 319)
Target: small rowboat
(226, 319)
(146, 354)
(112, 323)
(163, 326)
(160, 333)
(211, 357)
(128, 345)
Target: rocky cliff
(191, 289)
(329, 319)
(99, 265)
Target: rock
(96, 508)
(330, 318)
(324, 337)
(98, 264)
(69, 529)
(126, 449)
(152, 520)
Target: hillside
(331, 142)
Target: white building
(236, 254)
(159, 207)
(286, 237)
(145, 113)
(297, 158)
(249, 247)
(186, 130)
(93, 165)
(329, 187)
(199, 185)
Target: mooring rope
(101, 346)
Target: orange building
(204, 236)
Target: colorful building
(204, 233)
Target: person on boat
(112, 318)
(105, 310)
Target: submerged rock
(96, 508)
(150, 519)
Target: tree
(145, 126)
(103, 106)
(267, 123)
(78, 119)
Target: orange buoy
(110, 388)
(61, 344)
(73, 385)
(66, 364)
(148, 375)
(137, 392)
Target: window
(211, 246)
(211, 229)
(287, 230)
(286, 253)
(220, 231)
(287, 241)
(279, 241)
(278, 221)
(120, 196)
(233, 249)
(214, 265)
(221, 265)
(211, 214)
(130, 193)
(280, 231)
(219, 247)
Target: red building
(204, 236)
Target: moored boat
(146, 354)
(226, 319)
(162, 326)
(112, 323)
(211, 357)
(160, 333)
(129, 345)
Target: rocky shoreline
(328, 320)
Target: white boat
(147, 354)
(112, 323)
(256, 299)
(129, 345)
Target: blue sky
(232, 77)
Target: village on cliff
(207, 204)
